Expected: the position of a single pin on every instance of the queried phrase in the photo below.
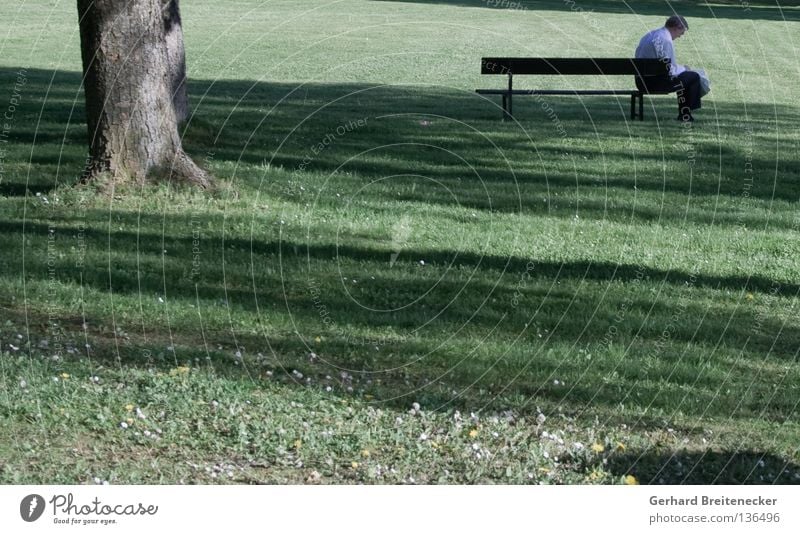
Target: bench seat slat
(573, 66)
(558, 92)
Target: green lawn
(391, 284)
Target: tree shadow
(444, 135)
(721, 9)
(452, 137)
(21, 189)
(569, 301)
(706, 467)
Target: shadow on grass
(240, 122)
(452, 137)
(666, 463)
(720, 9)
(708, 467)
(245, 250)
(476, 343)
(21, 189)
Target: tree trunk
(176, 58)
(133, 127)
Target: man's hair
(676, 21)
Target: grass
(391, 284)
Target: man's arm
(675, 68)
(665, 50)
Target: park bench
(514, 66)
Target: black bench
(511, 66)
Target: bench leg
(507, 114)
(633, 107)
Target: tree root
(185, 171)
(181, 169)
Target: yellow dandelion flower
(620, 447)
(354, 465)
(298, 443)
(595, 475)
(65, 376)
(365, 453)
(129, 407)
(434, 444)
(630, 480)
(749, 296)
(318, 339)
(129, 421)
(598, 448)
(182, 370)
(473, 433)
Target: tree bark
(176, 58)
(133, 126)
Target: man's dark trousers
(687, 84)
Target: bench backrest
(576, 66)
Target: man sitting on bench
(657, 44)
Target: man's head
(677, 26)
